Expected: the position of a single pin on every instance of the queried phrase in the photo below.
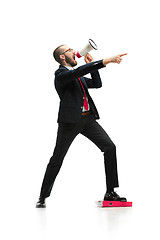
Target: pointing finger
(123, 54)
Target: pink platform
(114, 204)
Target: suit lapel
(79, 86)
(84, 85)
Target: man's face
(69, 54)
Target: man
(78, 114)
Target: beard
(71, 61)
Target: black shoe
(113, 196)
(41, 203)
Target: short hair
(57, 52)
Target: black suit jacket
(70, 92)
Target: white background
(128, 104)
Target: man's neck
(66, 65)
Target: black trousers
(88, 127)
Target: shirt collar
(69, 68)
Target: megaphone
(90, 46)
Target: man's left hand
(88, 58)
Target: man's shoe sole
(40, 206)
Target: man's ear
(62, 57)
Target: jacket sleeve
(94, 81)
(64, 77)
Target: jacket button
(81, 107)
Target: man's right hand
(115, 59)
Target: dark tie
(85, 103)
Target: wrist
(107, 60)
